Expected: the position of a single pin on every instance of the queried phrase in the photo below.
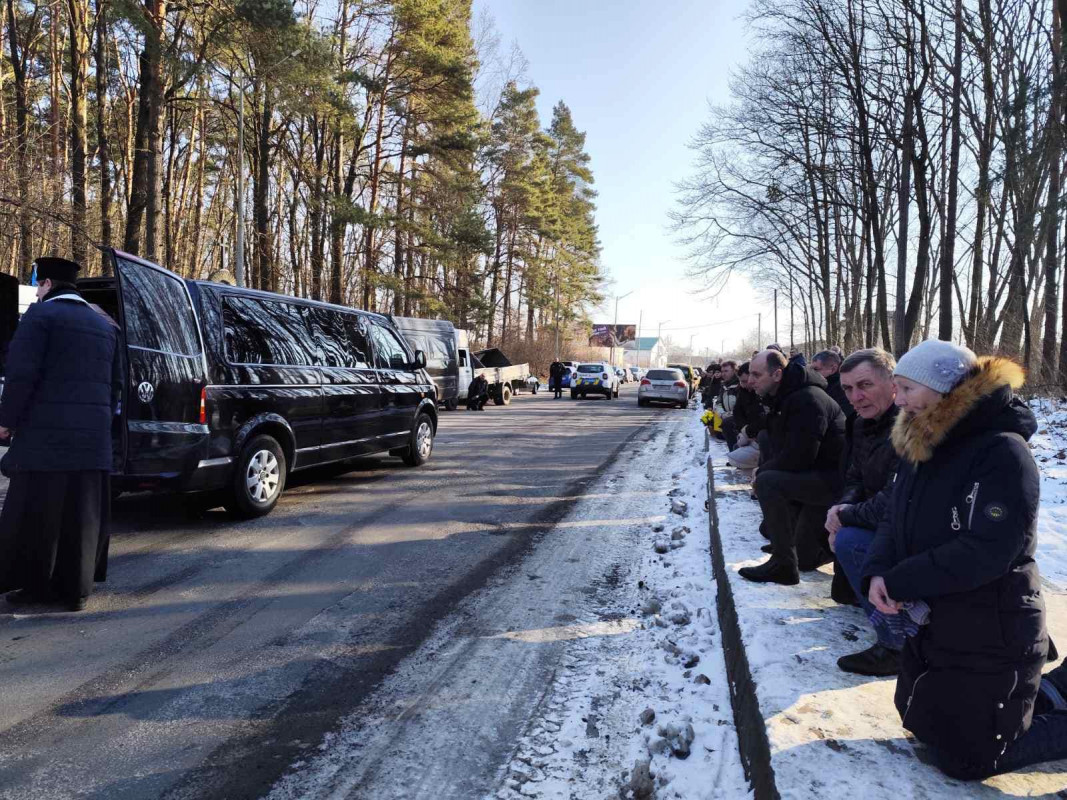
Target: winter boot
(877, 661)
(772, 572)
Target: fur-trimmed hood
(982, 401)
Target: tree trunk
(260, 198)
(18, 58)
(948, 245)
(103, 145)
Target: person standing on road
(555, 379)
(62, 389)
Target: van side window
(332, 336)
(357, 340)
(157, 311)
(388, 352)
(463, 358)
(267, 332)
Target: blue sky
(638, 77)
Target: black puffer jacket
(870, 466)
(749, 413)
(805, 425)
(63, 384)
(960, 533)
(833, 388)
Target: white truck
(504, 378)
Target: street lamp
(659, 333)
(615, 325)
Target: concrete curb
(752, 742)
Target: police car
(595, 377)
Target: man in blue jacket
(62, 388)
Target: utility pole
(615, 325)
(640, 319)
(776, 315)
(691, 337)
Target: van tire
(265, 453)
(420, 447)
(452, 405)
(503, 397)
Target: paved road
(221, 652)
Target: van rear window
(156, 311)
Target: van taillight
(203, 405)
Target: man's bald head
(765, 372)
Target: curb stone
(752, 742)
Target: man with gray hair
(828, 363)
(870, 466)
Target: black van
(233, 389)
(437, 339)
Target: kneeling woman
(958, 540)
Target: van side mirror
(420, 360)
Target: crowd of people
(913, 479)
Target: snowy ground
(542, 685)
(835, 734)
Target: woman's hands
(880, 599)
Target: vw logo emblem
(146, 392)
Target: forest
(384, 154)
(894, 169)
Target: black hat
(56, 269)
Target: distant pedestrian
(63, 386)
(555, 379)
(478, 394)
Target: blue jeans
(851, 547)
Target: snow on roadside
(1049, 446)
(657, 706)
(543, 676)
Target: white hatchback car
(663, 386)
(595, 377)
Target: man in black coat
(801, 478)
(870, 465)
(726, 401)
(62, 389)
(478, 394)
(748, 419)
(555, 379)
(828, 364)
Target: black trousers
(794, 508)
(730, 431)
(54, 532)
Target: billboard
(612, 335)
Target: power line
(712, 324)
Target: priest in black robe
(62, 387)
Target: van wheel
(418, 452)
(503, 397)
(452, 405)
(258, 479)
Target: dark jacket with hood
(960, 533)
(62, 387)
(749, 413)
(833, 388)
(806, 427)
(870, 466)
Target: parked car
(437, 339)
(690, 376)
(568, 375)
(663, 386)
(595, 377)
(636, 373)
(231, 390)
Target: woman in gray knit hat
(958, 538)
